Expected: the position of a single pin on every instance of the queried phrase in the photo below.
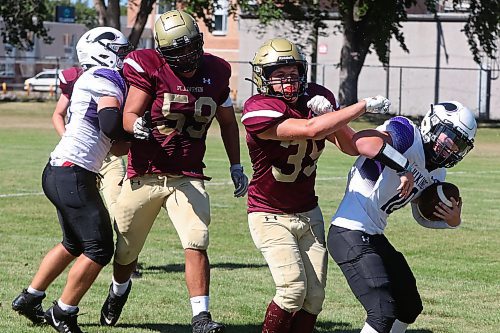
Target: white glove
(377, 104)
(319, 105)
(141, 130)
(240, 180)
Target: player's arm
(315, 128)
(343, 140)
(231, 138)
(110, 117)
(138, 101)
(452, 223)
(59, 115)
(376, 145)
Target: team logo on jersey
(207, 81)
(190, 89)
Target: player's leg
(88, 234)
(276, 236)
(29, 302)
(113, 173)
(359, 258)
(189, 210)
(404, 286)
(312, 246)
(138, 204)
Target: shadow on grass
(173, 268)
(323, 326)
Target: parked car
(8, 74)
(44, 81)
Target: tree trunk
(100, 7)
(113, 14)
(140, 21)
(352, 56)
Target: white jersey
(83, 143)
(371, 193)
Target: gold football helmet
(275, 53)
(179, 40)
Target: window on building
(221, 11)
(163, 6)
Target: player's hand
(451, 215)
(377, 104)
(141, 130)
(406, 186)
(240, 180)
(319, 105)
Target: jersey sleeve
(137, 74)
(108, 82)
(261, 114)
(401, 132)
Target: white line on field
(12, 195)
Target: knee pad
(410, 311)
(313, 302)
(196, 238)
(290, 297)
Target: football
(432, 195)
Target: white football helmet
(448, 130)
(102, 46)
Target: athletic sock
(34, 291)
(199, 304)
(66, 307)
(119, 289)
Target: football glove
(141, 129)
(319, 105)
(377, 104)
(240, 180)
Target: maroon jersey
(181, 112)
(284, 172)
(67, 79)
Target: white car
(44, 81)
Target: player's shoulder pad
(216, 64)
(112, 76)
(260, 103)
(69, 75)
(143, 61)
(401, 130)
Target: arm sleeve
(260, 115)
(110, 122)
(426, 223)
(136, 74)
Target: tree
(365, 24)
(22, 22)
(83, 13)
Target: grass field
(458, 271)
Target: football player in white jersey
(398, 161)
(70, 182)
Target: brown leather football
(432, 195)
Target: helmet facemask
(447, 144)
(184, 55)
(292, 86)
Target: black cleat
(113, 306)
(202, 323)
(30, 306)
(62, 321)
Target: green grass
(457, 270)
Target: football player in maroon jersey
(287, 124)
(175, 93)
